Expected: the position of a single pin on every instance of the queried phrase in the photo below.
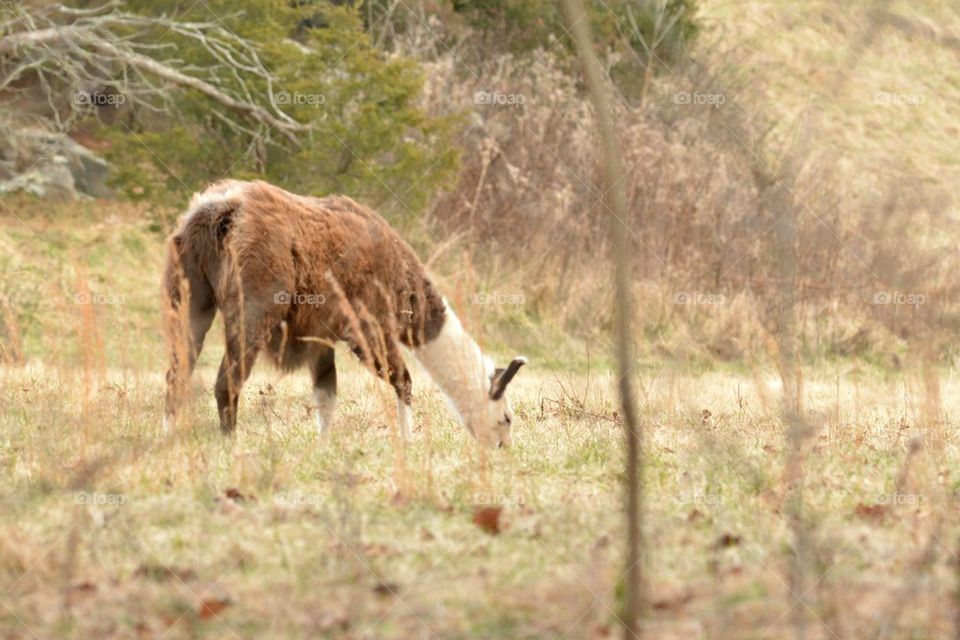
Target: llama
(291, 276)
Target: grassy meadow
(109, 528)
(841, 521)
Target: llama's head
(475, 388)
(493, 427)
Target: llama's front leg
(388, 364)
(405, 419)
(400, 379)
(324, 372)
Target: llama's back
(316, 270)
(349, 257)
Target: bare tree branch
(286, 126)
(73, 47)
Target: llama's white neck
(456, 364)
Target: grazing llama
(291, 276)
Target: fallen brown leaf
(212, 606)
(488, 519)
(385, 589)
(235, 494)
(727, 540)
(871, 511)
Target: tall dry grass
(704, 158)
(635, 593)
(750, 239)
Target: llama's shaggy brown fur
(291, 276)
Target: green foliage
(662, 27)
(521, 26)
(369, 137)
(658, 29)
(651, 35)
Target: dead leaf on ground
(212, 606)
(488, 519)
(727, 540)
(237, 496)
(385, 589)
(871, 511)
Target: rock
(50, 179)
(89, 171)
(50, 165)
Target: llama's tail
(196, 250)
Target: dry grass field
(841, 522)
(108, 528)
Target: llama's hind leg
(234, 371)
(324, 373)
(245, 332)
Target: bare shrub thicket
(701, 169)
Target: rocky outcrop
(50, 165)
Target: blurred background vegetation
(370, 135)
(464, 122)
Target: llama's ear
(502, 377)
